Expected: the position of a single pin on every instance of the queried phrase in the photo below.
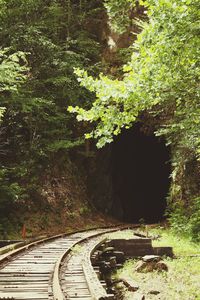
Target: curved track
(35, 273)
(78, 279)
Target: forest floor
(181, 282)
(61, 204)
(39, 224)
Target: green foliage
(119, 13)
(168, 237)
(58, 145)
(163, 73)
(44, 30)
(13, 72)
(186, 220)
(2, 109)
(53, 52)
(10, 194)
(106, 109)
(36, 127)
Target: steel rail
(95, 288)
(19, 256)
(20, 249)
(57, 288)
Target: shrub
(186, 220)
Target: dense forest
(108, 64)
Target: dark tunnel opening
(140, 176)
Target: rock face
(150, 263)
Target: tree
(163, 79)
(163, 72)
(55, 43)
(37, 131)
(13, 72)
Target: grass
(182, 245)
(181, 282)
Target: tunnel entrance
(140, 167)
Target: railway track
(54, 269)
